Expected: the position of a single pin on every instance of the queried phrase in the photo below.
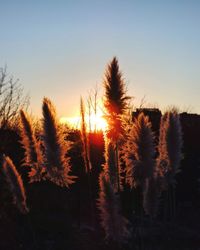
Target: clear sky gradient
(60, 48)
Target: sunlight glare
(97, 122)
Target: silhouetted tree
(12, 99)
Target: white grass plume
(140, 152)
(113, 223)
(109, 166)
(115, 99)
(15, 184)
(57, 164)
(170, 145)
(33, 156)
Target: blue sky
(60, 48)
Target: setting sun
(93, 122)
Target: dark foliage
(59, 218)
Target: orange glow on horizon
(93, 122)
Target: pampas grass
(15, 184)
(57, 164)
(115, 99)
(140, 152)
(86, 153)
(115, 92)
(113, 223)
(33, 157)
(168, 162)
(170, 145)
(109, 166)
(116, 104)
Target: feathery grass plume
(115, 99)
(168, 162)
(170, 145)
(33, 156)
(123, 148)
(86, 154)
(162, 161)
(109, 166)
(140, 153)
(57, 164)
(113, 223)
(116, 104)
(174, 141)
(15, 184)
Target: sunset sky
(60, 48)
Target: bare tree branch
(12, 99)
